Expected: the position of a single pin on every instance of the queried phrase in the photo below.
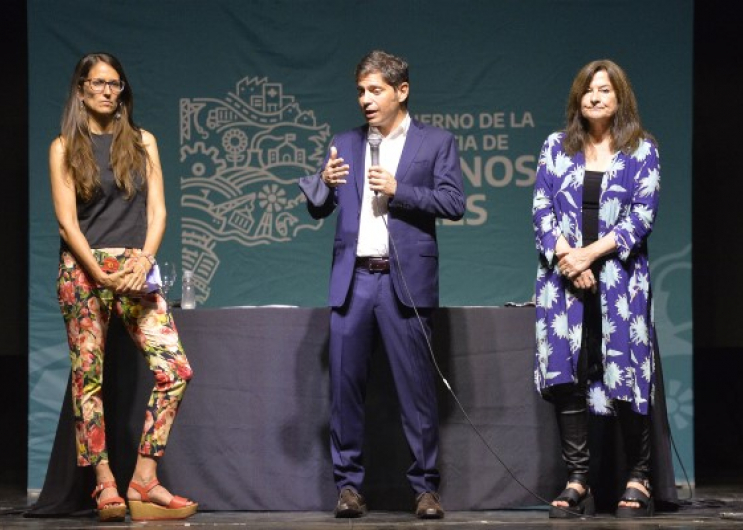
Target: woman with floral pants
(107, 187)
(87, 312)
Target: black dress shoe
(428, 506)
(350, 504)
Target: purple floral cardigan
(627, 209)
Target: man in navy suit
(384, 278)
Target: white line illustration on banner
(669, 271)
(241, 157)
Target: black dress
(608, 477)
(589, 361)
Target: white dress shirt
(373, 237)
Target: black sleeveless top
(590, 365)
(591, 197)
(109, 219)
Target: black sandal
(632, 494)
(578, 504)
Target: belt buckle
(378, 265)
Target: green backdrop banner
(244, 98)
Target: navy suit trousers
(373, 311)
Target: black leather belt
(373, 264)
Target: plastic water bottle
(188, 295)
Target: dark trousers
(371, 311)
(572, 410)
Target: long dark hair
(626, 130)
(128, 155)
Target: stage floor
(711, 507)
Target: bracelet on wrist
(149, 258)
(145, 263)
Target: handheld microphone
(374, 139)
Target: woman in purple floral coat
(595, 201)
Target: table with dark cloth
(252, 432)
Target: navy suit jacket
(429, 185)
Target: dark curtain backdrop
(716, 191)
(14, 223)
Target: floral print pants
(86, 309)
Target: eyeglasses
(97, 86)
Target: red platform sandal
(112, 509)
(147, 510)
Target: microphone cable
(477, 431)
(681, 463)
(454, 395)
